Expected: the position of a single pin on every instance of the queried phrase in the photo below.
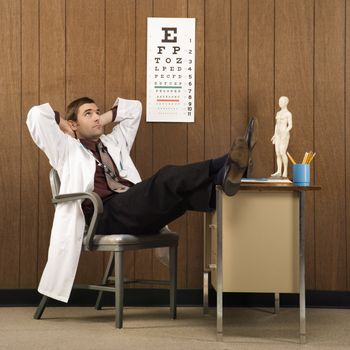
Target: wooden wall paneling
(195, 152)
(170, 147)
(85, 52)
(120, 67)
(217, 70)
(85, 72)
(329, 144)
(120, 50)
(10, 142)
(261, 82)
(106, 55)
(144, 139)
(30, 152)
(347, 138)
(239, 67)
(294, 79)
(120, 70)
(52, 90)
(217, 86)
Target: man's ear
(72, 124)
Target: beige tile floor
(150, 328)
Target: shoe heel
(249, 169)
(230, 188)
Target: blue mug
(301, 174)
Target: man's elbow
(32, 117)
(139, 108)
(138, 113)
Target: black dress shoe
(251, 136)
(251, 133)
(236, 166)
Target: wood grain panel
(170, 147)
(144, 139)
(217, 86)
(329, 143)
(347, 138)
(195, 152)
(120, 66)
(10, 143)
(85, 70)
(85, 59)
(239, 67)
(261, 81)
(52, 90)
(249, 53)
(30, 152)
(294, 79)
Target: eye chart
(170, 69)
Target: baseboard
(185, 297)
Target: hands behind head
(64, 125)
(68, 130)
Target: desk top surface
(277, 187)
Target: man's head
(83, 117)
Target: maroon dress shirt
(100, 182)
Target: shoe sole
(236, 167)
(251, 135)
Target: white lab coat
(76, 168)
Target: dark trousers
(151, 204)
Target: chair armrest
(98, 210)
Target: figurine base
(278, 177)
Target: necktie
(111, 177)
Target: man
(88, 160)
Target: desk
(254, 242)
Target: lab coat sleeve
(46, 133)
(128, 120)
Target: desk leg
(219, 277)
(277, 303)
(302, 268)
(205, 292)
(205, 266)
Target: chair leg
(108, 273)
(119, 288)
(173, 280)
(41, 307)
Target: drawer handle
(212, 226)
(212, 266)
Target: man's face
(88, 124)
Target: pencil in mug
(305, 158)
(291, 158)
(311, 158)
(309, 155)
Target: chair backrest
(55, 182)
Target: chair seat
(128, 241)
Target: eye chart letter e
(170, 69)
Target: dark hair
(73, 107)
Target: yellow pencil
(309, 156)
(291, 158)
(313, 156)
(304, 159)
